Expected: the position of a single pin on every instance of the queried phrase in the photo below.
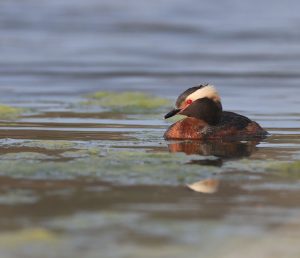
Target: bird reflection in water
(222, 151)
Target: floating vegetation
(126, 102)
(9, 113)
(290, 167)
(50, 144)
(26, 236)
(287, 169)
(25, 156)
(124, 167)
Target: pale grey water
(75, 46)
(125, 205)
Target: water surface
(83, 180)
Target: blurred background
(79, 46)
(83, 177)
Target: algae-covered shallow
(9, 113)
(127, 102)
(84, 168)
(80, 182)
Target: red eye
(189, 102)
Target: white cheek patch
(208, 91)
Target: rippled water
(83, 180)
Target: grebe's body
(206, 120)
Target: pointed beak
(172, 113)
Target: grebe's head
(202, 102)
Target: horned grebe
(206, 119)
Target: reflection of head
(208, 186)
